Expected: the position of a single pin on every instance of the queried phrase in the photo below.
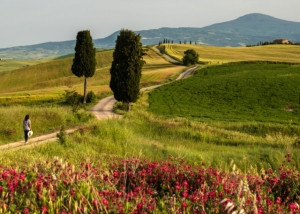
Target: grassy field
(234, 93)
(258, 99)
(219, 55)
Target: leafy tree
(179, 42)
(190, 42)
(172, 41)
(190, 57)
(126, 67)
(84, 62)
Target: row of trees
(167, 41)
(126, 67)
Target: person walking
(27, 127)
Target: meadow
(209, 154)
(234, 93)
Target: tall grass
(45, 119)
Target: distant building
(291, 43)
(281, 41)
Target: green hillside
(234, 93)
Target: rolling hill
(248, 29)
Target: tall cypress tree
(84, 62)
(126, 67)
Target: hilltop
(248, 29)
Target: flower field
(140, 186)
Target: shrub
(62, 135)
(73, 98)
(191, 57)
(91, 97)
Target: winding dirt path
(167, 57)
(102, 110)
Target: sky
(28, 22)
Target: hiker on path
(27, 127)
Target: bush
(73, 98)
(62, 136)
(191, 57)
(91, 97)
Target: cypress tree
(126, 67)
(84, 62)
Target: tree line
(168, 41)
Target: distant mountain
(248, 29)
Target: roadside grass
(219, 55)
(46, 118)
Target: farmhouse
(281, 41)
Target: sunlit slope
(233, 93)
(280, 53)
(8, 65)
(56, 73)
(53, 78)
(157, 69)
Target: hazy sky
(27, 22)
